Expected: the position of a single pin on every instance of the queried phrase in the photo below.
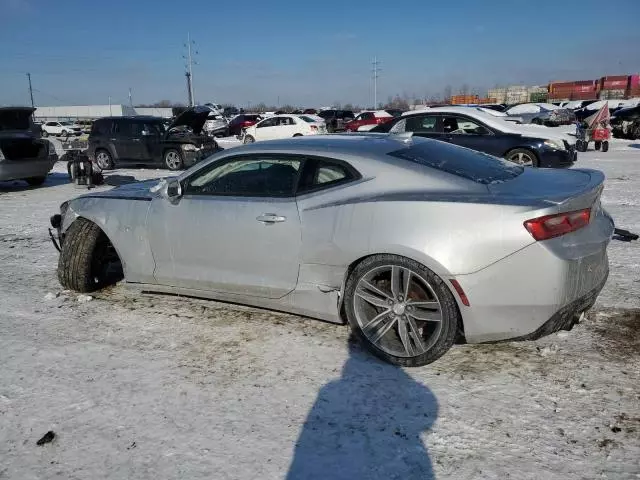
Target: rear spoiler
(590, 193)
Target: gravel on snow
(151, 386)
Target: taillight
(313, 127)
(247, 123)
(549, 226)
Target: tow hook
(624, 235)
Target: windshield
(307, 119)
(66, 124)
(470, 164)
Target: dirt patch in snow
(618, 334)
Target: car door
(287, 127)
(122, 140)
(470, 133)
(235, 229)
(267, 129)
(136, 144)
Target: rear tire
(248, 139)
(297, 135)
(597, 145)
(104, 160)
(605, 146)
(407, 340)
(45, 134)
(88, 261)
(35, 181)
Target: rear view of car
(23, 154)
(368, 118)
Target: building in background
(91, 112)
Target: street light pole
(30, 89)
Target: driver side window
(269, 122)
(247, 176)
(462, 126)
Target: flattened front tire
(83, 265)
(412, 315)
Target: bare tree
(464, 90)
(447, 93)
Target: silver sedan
(415, 243)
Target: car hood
(130, 191)
(192, 117)
(537, 131)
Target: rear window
(462, 162)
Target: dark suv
(336, 119)
(145, 140)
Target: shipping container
(634, 81)
(536, 97)
(606, 94)
(584, 88)
(463, 99)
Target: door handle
(113, 139)
(135, 139)
(270, 218)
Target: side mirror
(173, 190)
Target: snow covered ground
(153, 387)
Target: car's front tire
(45, 134)
(173, 159)
(88, 261)
(522, 156)
(248, 139)
(401, 310)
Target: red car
(368, 118)
(241, 121)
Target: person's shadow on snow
(366, 425)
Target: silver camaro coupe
(415, 243)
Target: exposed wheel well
(354, 264)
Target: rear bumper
(26, 168)
(538, 289)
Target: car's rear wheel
(635, 132)
(173, 159)
(523, 157)
(88, 260)
(401, 310)
(297, 135)
(605, 146)
(104, 160)
(248, 139)
(35, 181)
(45, 134)
(597, 145)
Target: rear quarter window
(475, 166)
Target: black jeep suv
(145, 140)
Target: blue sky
(308, 53)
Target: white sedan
(283, 126)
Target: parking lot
(151, 386)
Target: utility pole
(110, 112)
(189, 69)
(30, 89)
(375, 70)
(130, 98)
